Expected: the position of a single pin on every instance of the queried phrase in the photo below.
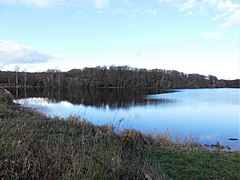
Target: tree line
(114, 77)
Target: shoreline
(31, 143)
(224, 143)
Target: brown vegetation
(5, 96)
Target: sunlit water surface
(211, 115)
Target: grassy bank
(35, 146)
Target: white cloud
(137, 11)
(233, 21)
(190, 4)
(224, 10)
(40, 3)
(165, 1)
(100, 4)
(13, 53)
(227, 5)
(211, 35)
(219, 16)
(118, 11)
(210, 2)
(37, 3)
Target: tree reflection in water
(100, 98)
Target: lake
(210, 115)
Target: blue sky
(192, 36)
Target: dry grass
(34, 146)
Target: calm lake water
(211, 115)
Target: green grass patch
(195, 163)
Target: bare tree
(25, 77)
(16, 69)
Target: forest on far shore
(114, 77)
